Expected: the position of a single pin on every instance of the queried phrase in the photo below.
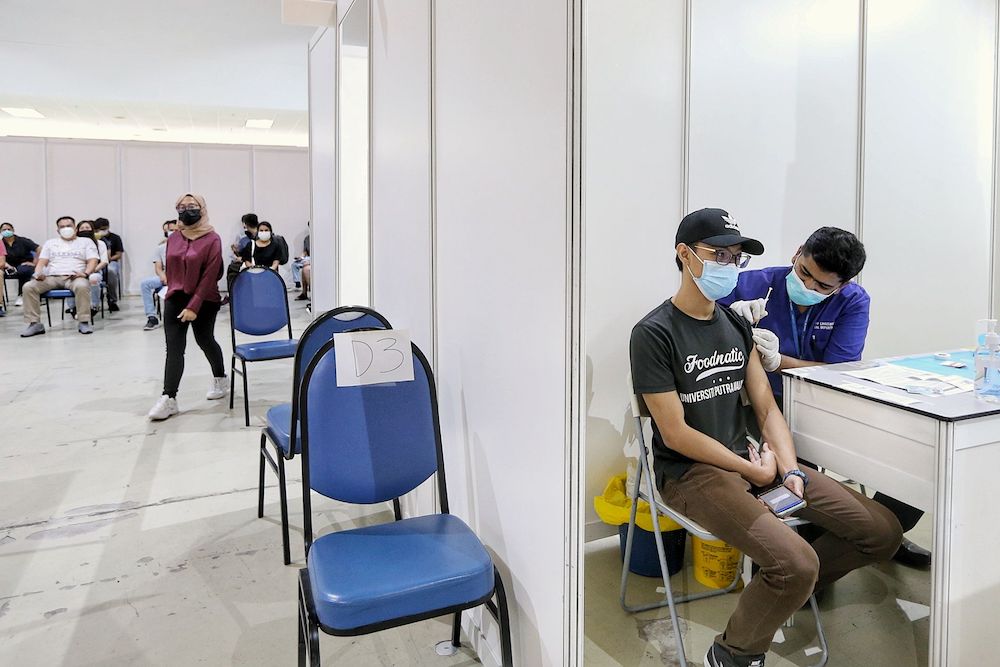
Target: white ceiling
(167, 70)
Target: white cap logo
(730, 223)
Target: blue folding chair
(58, 295)
(367, 445)
(258, 307)
(283, 420)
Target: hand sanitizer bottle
(988, 367)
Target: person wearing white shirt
(64, 263)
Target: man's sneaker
(113, 306)
(151, 323)
(85, 328)
(217, 389)
(302, 297)
(71, 311)
(3, 313)
(165, 407)
(298, 285)
(33, 329)
(719, 656)
(19, 302)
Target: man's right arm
(668, 412)
(160, 273)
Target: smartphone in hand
(782, 501)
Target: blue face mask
(717, 281)
(799, 293)
(6, 233)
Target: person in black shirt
(116, 250)
(692, 361)
(264, 251)
(20, 260)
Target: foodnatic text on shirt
(718, 362)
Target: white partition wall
(135, 184)
(928, 183)
(633, 135)
(323, 166)
(502, 286)
(774, 117)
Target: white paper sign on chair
(373, 357)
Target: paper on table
(913, 381)
(872, 392)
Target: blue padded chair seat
(279, 428)
(267, 349)
(393, 570)
(58, 294)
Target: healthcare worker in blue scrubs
(816, 315)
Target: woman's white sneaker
(217, 389)
(165, 407)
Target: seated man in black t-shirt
(691, 361)
(21, 253)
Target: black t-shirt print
(704, 361)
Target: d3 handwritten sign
(373, 357)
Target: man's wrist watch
(796, 473)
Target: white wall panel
(281, 195)
(928, 178)
(774, 111)
(83, 181)
(501, 142)
(153, 176)
(22, 188)
(633, 133)
(401, 178)
(323, 166)
(223, 177)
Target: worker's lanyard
(798, 336)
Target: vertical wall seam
(45, 180)
(120, 154)
(994, 269)
(371, 161)
(337, 301)
(432, 156)
(686, 111)
(859, 187)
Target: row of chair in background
(353, 583)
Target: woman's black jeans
(175, 333)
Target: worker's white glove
(752, 311)
(767, 345)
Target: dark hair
(65, 217)
(250, 219)
(7, 224)
(92, 228)
(101, 223)
(265, 222)
(168, 222)
(837, 251)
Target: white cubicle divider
(323, 165)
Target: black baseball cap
(715, 227)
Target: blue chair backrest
(258, 302)
(338, 320)
(368, 444)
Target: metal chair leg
(506, 653)
(232, 380)
(246, 395)
(302, 633)
(260, 484)
(825, 651)
(283, 494)
(456, 630)
(48, 312)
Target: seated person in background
(3, 268)
(691, 361)
(85, 230)
(20, 255)
(154, 284)
(306, 282)
(63, 263)
(116, 250)
(263, 251)
(250, 223)
(300, 262)
(816, 315)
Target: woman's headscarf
(199, 229)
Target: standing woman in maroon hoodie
(194, 267)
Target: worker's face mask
(67, 232)
(264, 236)
(716, 281)
(799, 293)
(189, 216)
(6, 233)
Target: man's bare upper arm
(757, 386)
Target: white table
(941, 455)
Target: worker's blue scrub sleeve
(831, 331)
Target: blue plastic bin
(644, 559)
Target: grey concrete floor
(864, 616)
(125, 542)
